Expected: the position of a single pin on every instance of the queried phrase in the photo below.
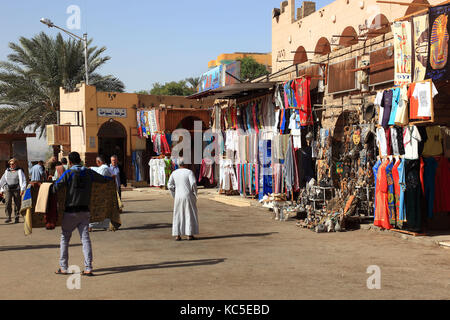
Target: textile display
(104, 204)
(421, 42)
(402, 52)
(437, 64)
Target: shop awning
(235, 91)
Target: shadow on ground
(35, 247)
(238, 236)
(169, 264)
(149, 227)
(149, 212)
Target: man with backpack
(78, 181)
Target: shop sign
(233, 69)
(212, 79)
(112, 113)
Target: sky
(151, 41)
(148, 41)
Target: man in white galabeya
(183, 185)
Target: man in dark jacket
(78, 181)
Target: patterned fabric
(437, 68)
(104, 204)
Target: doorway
(112, 138)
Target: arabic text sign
(112, 113)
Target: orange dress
(382, 199)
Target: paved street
(241, 254)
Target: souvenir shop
(315, 146)
(155, 128)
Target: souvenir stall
(412, 134)
(412, 168)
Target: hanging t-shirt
(401, 146)
(423, 94)
(381, 139)
(394, 142)
(433, 146)
(401, 117)
(294, 125)
(411, 138)
(386, 104)
(303, 98)
(378, 102)
(395, 103)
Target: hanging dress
(382, 208)
(396, 178)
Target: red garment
(51, 216)
(442, 189)
(165, 149)
(387, 132)
(382, 199)
(303, 98)
(396, 177)
(206, 171)
(255, 123)
(414, 104)
(422, 170)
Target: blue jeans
(70, 222)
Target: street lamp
(50, 24)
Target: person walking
(183, 186)
(60, 168)
(38, 172)
(78, 181)
(118, 174)
(103, 170)
(51, 168)
(13, 184)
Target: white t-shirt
(422, 92)
(378, 101)
(382, 143)
(411, 139)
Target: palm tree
(37, 68)
(194, 82)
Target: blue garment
(395, 103)
(115, 171)
(375, 174)
(265, 171)
(402, 182)
(290, 94)
(429, 176)
(37, 173)
(249, 118)
(391, 193)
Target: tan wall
(88, 100)
(289, 33)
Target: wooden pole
(406, 4)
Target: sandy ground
(241, 254)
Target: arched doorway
(300, 55)
(348, 37)
(112, 139)
(380, 25)
(414, 9)
(322, 47)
